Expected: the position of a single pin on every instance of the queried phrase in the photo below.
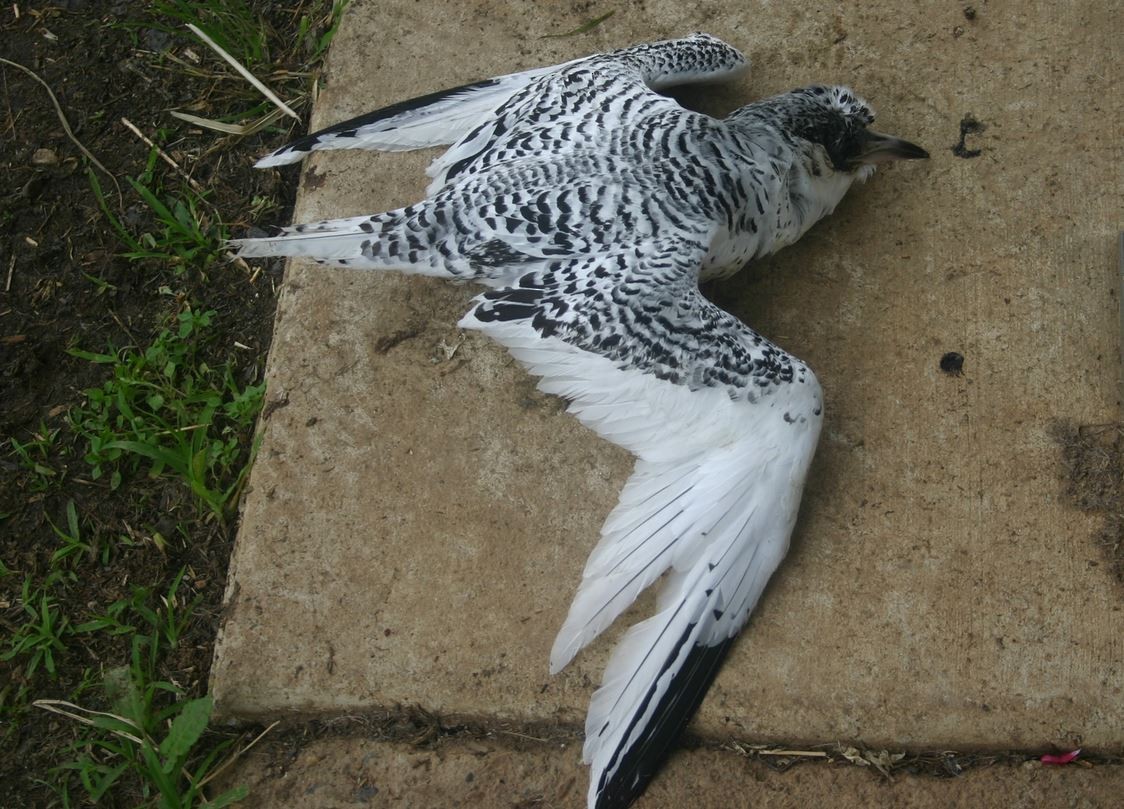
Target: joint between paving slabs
(414, 726)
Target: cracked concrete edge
(345, 771)
(1120, 268)
(408, 723)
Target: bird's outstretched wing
(588, 104)
(723, 424)
(486, 121)
(434, 119)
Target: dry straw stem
(81, 715)
(71, 711)
(163, 155)
(246, 74)
(237, 755)
(230, 129)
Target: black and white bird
(592, 207)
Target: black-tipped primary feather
(632, 769)
(434, 119)
(349, 129)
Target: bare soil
(63, 285)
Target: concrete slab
(343, 773)
(417, 522)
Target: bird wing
(587, 104)
(476, 117)
(434, 119)
(723, 424)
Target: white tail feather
(437, 119)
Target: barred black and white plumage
(592, 207)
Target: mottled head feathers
(833, 117)
(838, 119)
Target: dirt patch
(295, 751)
(492, 772)
(63, 286)
(1093, 456)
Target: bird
(590, 206)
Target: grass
(316, 45)
(245, 34)
(166, 406)
(152, 740)
(172, 409)
(151, 736)
(34, 455)
(181, 232)
(71, 537)
(233, 24)
(40, 637)
(123, 738)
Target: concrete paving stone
(343, 773)
(418, 515)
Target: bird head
(838, 120)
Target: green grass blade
(154, 452)
(185, 731)
(229, 797)
(114, 222)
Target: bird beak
(879, 148)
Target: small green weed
(287, 62)
(244, 34)
(166, 623)
(124, 744)
(184, 235)
(151, 734)
(72, 545)
(166, 405)
(231, 23)
(34, 456)
(317, 43)
(182, 229)
(40, 637)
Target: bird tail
(400, 240)
(435, 119)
